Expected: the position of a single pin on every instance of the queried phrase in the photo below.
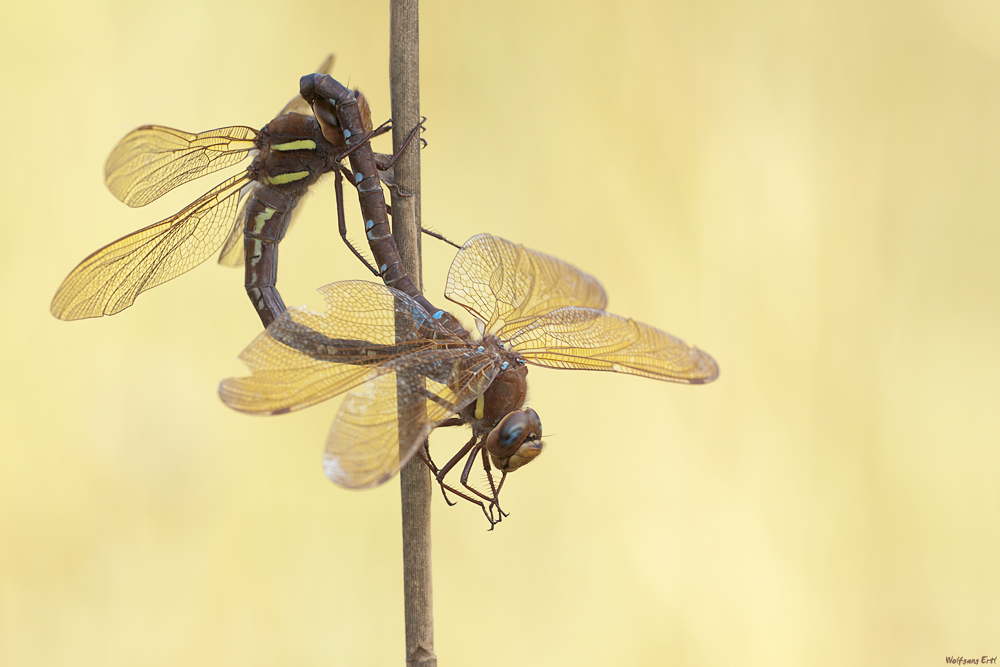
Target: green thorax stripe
(300, 145)
(281, 179)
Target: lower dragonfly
(405, 373)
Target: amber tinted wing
(299, 105)
(304, 358)
(153, 160)
(591, 339)
(233, 250)
(382, 423)
(506, 285)
(109, 280)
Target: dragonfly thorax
(504, 395)
(293, 154)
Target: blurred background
(807, 190)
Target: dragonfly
(404, 373)
(245, 216)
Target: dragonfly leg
(342, 222)
(494, 501)
(385, 166)
(495, 488)
(400, 192)
(389, 180)
(440, 237)
(503, 478)
(472, 447)
(402, 148)
(380, 130)
(488, 469)
(387, 125)
(425, 456)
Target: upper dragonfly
(405, 373)
(289, 154)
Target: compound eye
(328, 123)
(535, 422)
(508, 434)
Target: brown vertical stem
(415, 480)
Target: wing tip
(708, 365)
(68, 310)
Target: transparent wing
(233, 250)
(383, 422)
(304, 357)
(299, 105)
(109, 280)
(505, 285)
(592, 339)
(153, 160)
(400, 388)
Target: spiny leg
(488, 469)
(468, 468)
(440, 237)
(402, 148)
(425, 451)
(385, 167)
(388, 165)
(380, 130)
(503, 478)
(495, 500)
(465, 482)
(425, 456)
(443, 472)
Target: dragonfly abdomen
(293, 155)
(267, 217)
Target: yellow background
(810, 191)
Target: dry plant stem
(415, 480)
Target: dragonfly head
(315, 89)
(328, 122)
(516, 440)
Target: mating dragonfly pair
(406, 366)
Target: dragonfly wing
(286, 378)
(153, 160)
(383, 422)
(404, 371)
(304, 358)
(592, 339)
(109, 280)
(233, 250)
(504, 284)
